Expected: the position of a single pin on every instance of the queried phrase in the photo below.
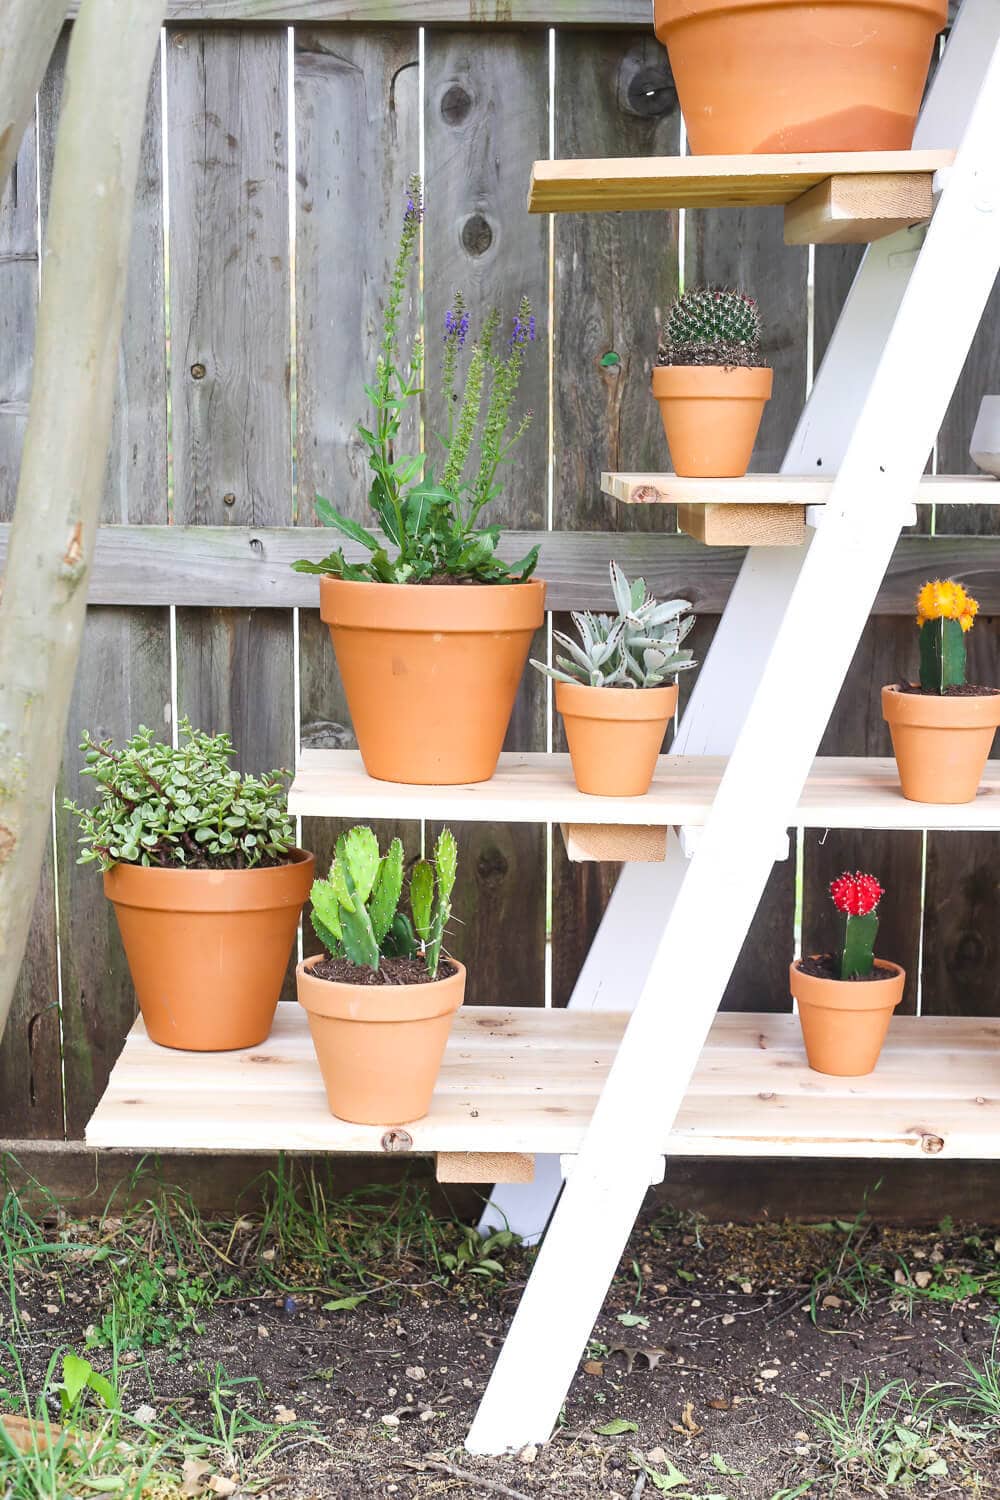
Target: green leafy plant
(187, 806)
(638, 647)
(355, 910)
(78, 1377)
(433, 523)
(857, 896)
(712, 326)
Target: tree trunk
(29, 32)
(84, 267)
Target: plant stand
(640, 1066)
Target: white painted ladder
(673, 932)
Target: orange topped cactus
(945, 613)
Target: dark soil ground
(729, 1362)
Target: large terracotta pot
(941, 744)
(614, 735)
(711, 416)
(208, 949)
(799, 75)
(379, 1046)
(431, 672)
(844, 1021)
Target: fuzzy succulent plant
(355, 910)
(712, 326)
(945, 615)
(637, 648)
(857, 896)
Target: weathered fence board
(613, 275)
(486, 108)
(357, 122)
(30, 1075)
(484, 13)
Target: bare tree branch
(27, 36)
(84, 270)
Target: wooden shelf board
(526, 1080)
(666, 182)
(536, 787)
(783, 489)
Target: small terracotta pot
(941, 744)
(379, 1046)
(431, 672)
(799, 75)
(614, 735)
(844, 1021)
(711, 416)
(208, 949)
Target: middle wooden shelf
(537, 787)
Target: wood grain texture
(780, 489)
(627, 183)
(230, 347)
(30, 1076)
(123, 678)
(486, 109)
(522, 1081)
(484, 13)
(856, 210)
(357, 115)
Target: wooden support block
(744, 525)
(858, 209)
(484, 1166)
(614, 843)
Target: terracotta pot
(208, 949)
(844, 1021)
(431, 672)
(615, 735)
(711, 415)
(379, 1046)
(941, 744)
(799, 75)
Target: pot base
(845, 1023)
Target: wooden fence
(273, 174)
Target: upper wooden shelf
(526, 1080)
(848, 197)
(536, 787)
(783, 489)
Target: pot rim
(373, 1003)
(207, 891)
(448, 607)
(578, 700)
(713, 382)
(674, 12)
(848, 994)
(926, 711)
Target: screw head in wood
(397, 1140)
(931, 1144)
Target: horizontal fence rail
(274, 169)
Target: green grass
(878, 1435)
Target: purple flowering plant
(433, 523)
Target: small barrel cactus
(638, 647)
(857, 896)
(712, 326)
(355, 910)
(945, 614)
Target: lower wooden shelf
(525, 1080)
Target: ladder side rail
(826, 613)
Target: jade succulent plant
(712, 326)
(857, 896)
(166, 806)
(356, 910)
(637, 648)
(945, 615)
